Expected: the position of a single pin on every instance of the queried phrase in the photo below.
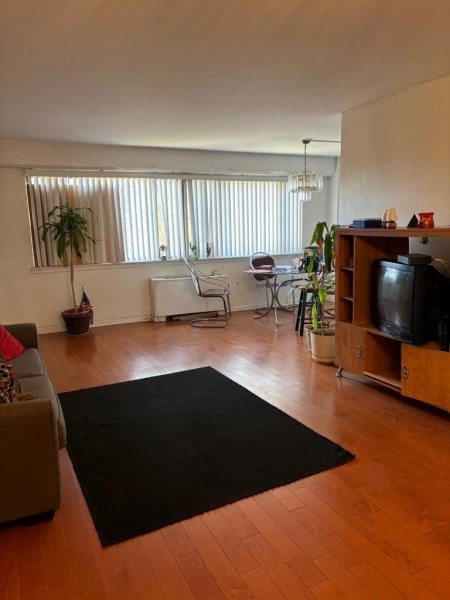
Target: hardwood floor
(377, 527)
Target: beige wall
(396, 153)
(119, 293)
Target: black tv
(406, 300)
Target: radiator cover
(174, 296)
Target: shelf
(407, 232)
(419, 372)
(389, 382)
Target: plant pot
(77, 321)
(322, 347)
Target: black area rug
(155, 451)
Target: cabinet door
(350, 347)
(425, 374)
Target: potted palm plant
(322, 283)
(69, 229)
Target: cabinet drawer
(426, 374)
(350, 347)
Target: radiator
(175, 296)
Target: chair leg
(216, 321)
(226, 309)
(229, 308)
(303, 311)
(300, 310)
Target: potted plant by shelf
(322, 283)
(69, 229)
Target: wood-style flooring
(378, 527)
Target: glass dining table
(293, 278)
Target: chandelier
(305, 183)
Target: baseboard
(58, 327)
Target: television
(407, 300)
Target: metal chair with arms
(207, 286)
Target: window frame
(186, 180)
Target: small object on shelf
(366, 223)
(389, 218)
(414, 259)
(413, 222)
(426, 220)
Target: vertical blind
(132, 217)
(238, 218)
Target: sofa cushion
(42, 387)
(21, 394)
(10, 347)
(28, 364)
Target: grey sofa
(31, 434)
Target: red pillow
(9, 346)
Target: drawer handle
(358, 351)
(405, 371)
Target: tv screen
(394, 293)
(401, 301)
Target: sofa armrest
(29, 465)
(25, 333)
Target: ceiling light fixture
(305, 183)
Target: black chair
(306, 301)
(207, 286)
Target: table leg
(264, 312)
(290, 282)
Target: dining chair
(208, 286)
(259, 260)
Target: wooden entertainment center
(419, 372)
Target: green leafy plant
(69, 228)
(322, 282)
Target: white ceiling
(234, 75)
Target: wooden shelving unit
(419, 372)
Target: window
(133, 217)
